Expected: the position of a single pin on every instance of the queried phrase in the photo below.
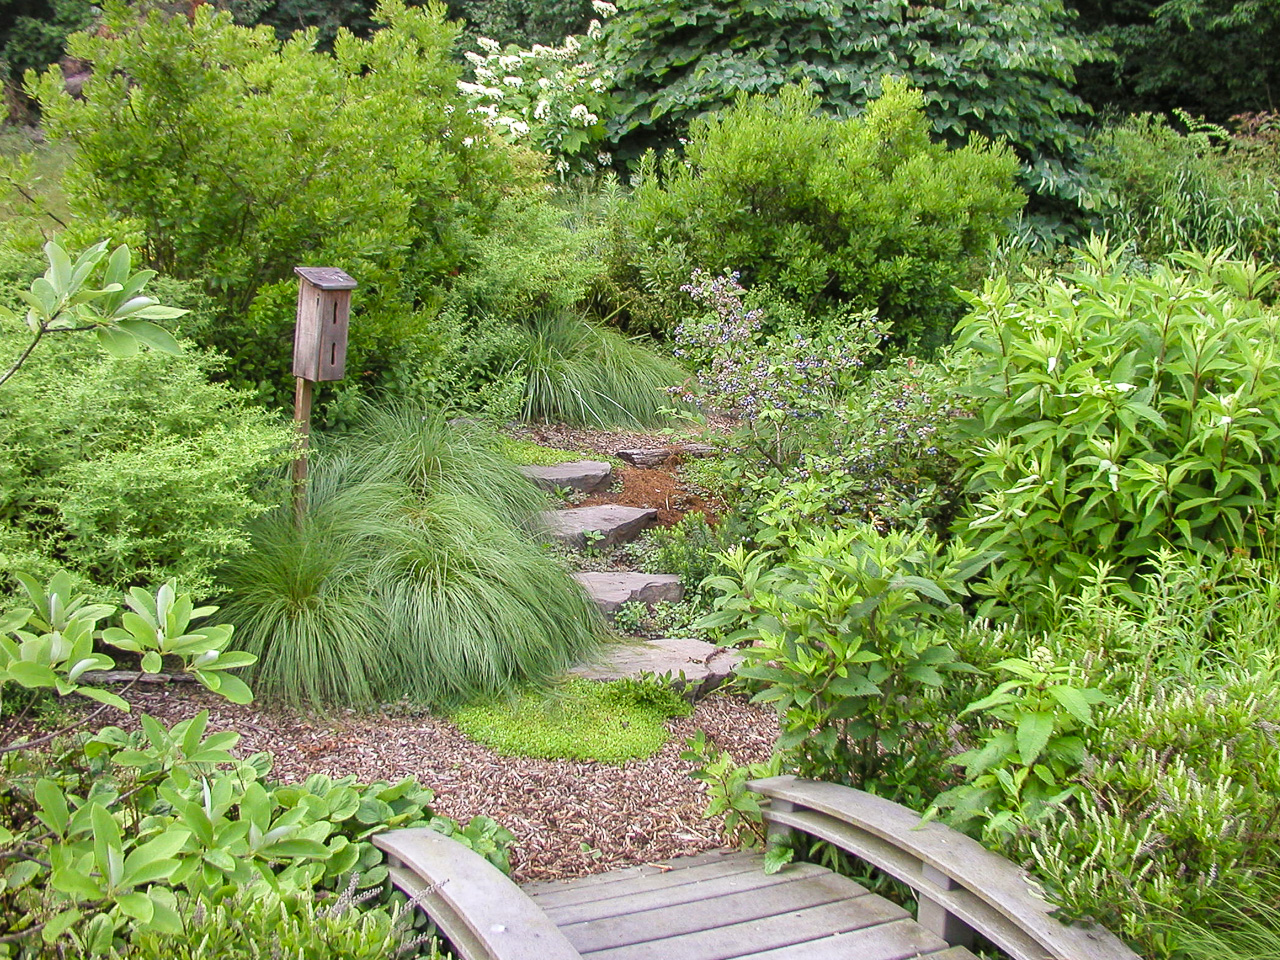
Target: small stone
(703, 665)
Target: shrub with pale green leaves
(867, 211)
(1119, 413)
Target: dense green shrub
(264, 925)
(846, 632)
(1199, 190)
(675, 63)
(578, 720)
(1212, 57)
(412, 574)
(237, 157)
(128, 471)
(689, 549)
(1120, 413)
(867, 212)
(122, 835)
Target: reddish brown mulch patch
(570, 818)
(656, 487)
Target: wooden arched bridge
(722, 905)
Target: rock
(613, 524)
(653, 456)
(583, 475)
(612, 589)
(704, 665)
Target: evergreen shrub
(867, 212)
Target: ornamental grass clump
(412, 574)
(581, 373)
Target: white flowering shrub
(554, 100)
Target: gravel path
(569, 818)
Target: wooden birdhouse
(320, 338)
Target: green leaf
(1034, 731)
(1074, 701)
(117, 343)
(54, 812)
(777, 857)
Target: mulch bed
(570, 818)
(656, 487)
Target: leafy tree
(1001, 68)
(1213, 58)
(236, 157)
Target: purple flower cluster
(744, 371)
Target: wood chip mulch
(569, 818)
(659, 488)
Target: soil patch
(570, 818)
(659, 488)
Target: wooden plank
(665, 894)
(584, 892)
(995, 897)
(477, 906)
(682, 918)
(974, 911)
(754, 936)
(558, 892)
(897, 940)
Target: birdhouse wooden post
(319, 352)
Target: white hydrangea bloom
(513, 81)
(487, 44)
(541, 110)
(579, 112)
(604, 8)
(519, 127)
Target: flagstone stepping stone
(602, 526)
(704, 665)
(583, 475)
(653, 456)
(610, 590)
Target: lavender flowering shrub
(772, 376)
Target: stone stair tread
(704, 665)
(615, 524)
(581, 475)
(611, 589)
(655, 456)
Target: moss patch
(580, 720)
(530, 454)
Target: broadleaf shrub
(237, 157)
(867, 212)
(129, 471)
(1127, 412)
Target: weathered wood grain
(484, 914)
(989, 894)
(704, 914)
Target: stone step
(610, 590)
(655, 456)
(581, 475)
(704, 665)
(613, 525)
